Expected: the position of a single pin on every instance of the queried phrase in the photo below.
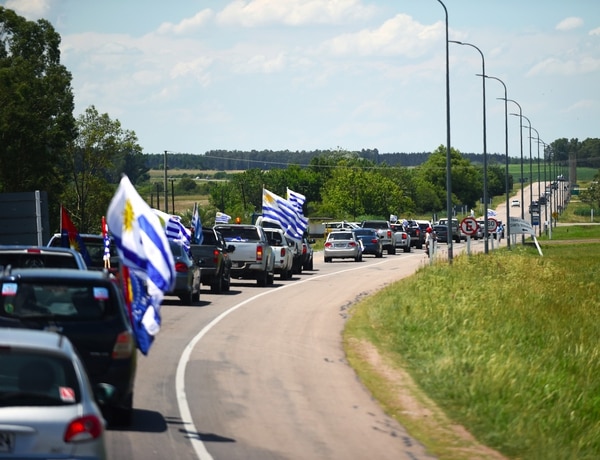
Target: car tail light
(304, 249)
(34, 251)
(418, 233)
(374, 241)
(389, 233)
(84, 429)
(123, 347)
(404, 236)
(351, 244)
(259, 252)
(327, 245)
(180, 267)
(282, 252)
(216, 256)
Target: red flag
(70, 236)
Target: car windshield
(32, 259)
(68, 300)
(30, 378)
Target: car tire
(186, 299)
(379, 255)
(216, 287)
(327, 259)
(407, 249)
(391, 251)
(263, 279)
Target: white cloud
(569, 24)
(253, 13)
(595, 31)
(187, 25)
(30, 9)
(555, 66)
(582, 104)
(400, 35)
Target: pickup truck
(457, 234)
(402, 237)
(283, 251)
(417, 235)
(385, 233)
(253, 256)
(213, 259)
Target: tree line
(78, 160)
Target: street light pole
(507, 225)
(530, 168)
(538, 178)
(520, 114)
(485, 191)
(448, 145)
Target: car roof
(35, 339)
(62, 273)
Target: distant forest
(226, 160)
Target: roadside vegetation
(505, 345)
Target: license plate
(7, 441)
(339, 245)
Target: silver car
(47, 409)
(342, 245)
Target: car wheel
(263, 279)
(379, 254)
(420, 246)
(122, 415)
(327, 259)
(392, 251)
(407, 249)
(186, 299)
(310, 264)
(196, 297)
(227, 284)
(216, 287)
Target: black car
(88, 307)
(370, 241)
(307, 253)
(441, 232)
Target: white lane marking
(184, 409)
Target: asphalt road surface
(260, 373)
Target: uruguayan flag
(197, 235)
(491, 213)
(281, 211)
(297, 200)
(143, 248)
(222, 218)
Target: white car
(342, 244)
(48, 408)
(515, 203)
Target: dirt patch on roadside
(411, 407)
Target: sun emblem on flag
(128, 216)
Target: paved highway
(260, 373)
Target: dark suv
(88, 307)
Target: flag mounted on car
(222, 218)
(148, 268)
(280, 211)
(70, 237)
(197, 235)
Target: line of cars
(68, 355)
(369, 237)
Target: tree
(98, 157)
(36, 108)
(467, 186)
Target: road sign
(492, 224)
(469, 226)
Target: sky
(190, 76)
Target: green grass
(505, 344)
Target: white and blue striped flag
(144, 249)
(297, 200)
(280, 211)
(197, 235)
(222, 218)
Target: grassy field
(505, 345)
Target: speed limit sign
(492, 224)
(469, 226)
